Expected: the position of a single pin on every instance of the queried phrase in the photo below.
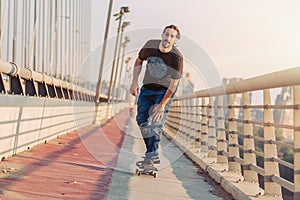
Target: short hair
(175, 28)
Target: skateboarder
(164, 65)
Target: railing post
(178, 121)
(211, 130)
(204, 128)
(178, 116)
(16, 85)
(187, 131)
(197, 124)
(222, 145)
(296, 90)
(2, 83)
(173, 119)
(185, 120)
(270, 150)
(232, 137)
(193, 122)
(249, 147)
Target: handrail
(223, 128)
(268, 81)
(12, 70)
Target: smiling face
(169, 37)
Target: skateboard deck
(153, 171)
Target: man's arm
(159, 109)
(134, 88)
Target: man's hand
(134, 89)
(158, 112)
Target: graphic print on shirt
(156, 67)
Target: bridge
(63, 138)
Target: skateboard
(141, 170)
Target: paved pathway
(99, 163)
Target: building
(237, 97)
(285, 116)
(186, 85)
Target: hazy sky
(243, 38)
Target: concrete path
(99, 163)
(178, 177)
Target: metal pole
(204, 128)
(114, 61)
(0, 27)
(28, 33)
(15, 31)
(117, 63)
(122, 62)
(221, 145)
(77, 50)
(71, 38)
(34, 36)
(127, 80)
(61, 40)
(2, 23)
(8, 31)
(39, 36)
(51, 38)
(56, 39)
(24, 38)
(79, 36)
(296, 121)
(65, 18)
(75, 38)
(99, 84)
(44, 38)
(48, 56)
(212, 142)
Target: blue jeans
(151, 131)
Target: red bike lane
(76, 165)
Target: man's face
(169, 37)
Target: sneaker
(156, 160)
(142, 163)
(148, 166)
(147, 162)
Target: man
(164, 64)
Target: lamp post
(119, 16)
(124, 25)
(99, 83)
(124, 44)
(126, 79)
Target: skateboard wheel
(155, 175)
(139, 173)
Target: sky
(244, 38)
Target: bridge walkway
(99, 163)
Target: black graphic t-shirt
(160, 67)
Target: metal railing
(222, 126)
(35, 108)
(26, 82)
(47, 36)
